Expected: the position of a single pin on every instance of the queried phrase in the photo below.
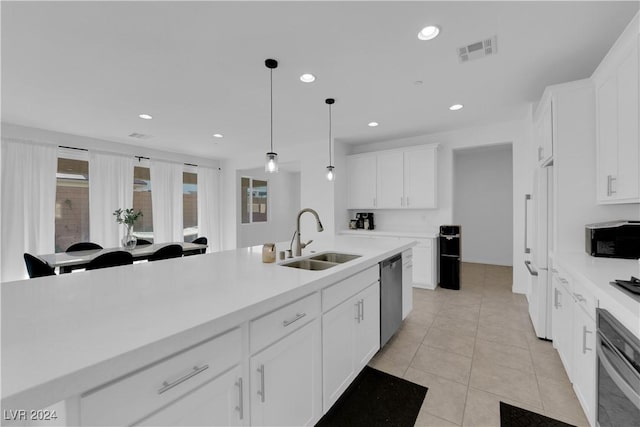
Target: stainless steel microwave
(615, 239)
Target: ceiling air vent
(478, 49)
(139, 135)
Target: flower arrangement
(127, 216)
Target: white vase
(129, 240)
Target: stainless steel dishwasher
(390, 297)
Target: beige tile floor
(474, 348)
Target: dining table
(69, 261)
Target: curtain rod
(137, 157)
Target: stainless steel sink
(335, 257)
(310, 264)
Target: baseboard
(424, 286)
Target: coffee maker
(364, 220)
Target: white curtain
(166, 200)
(209, 225)
(110, 188)
(28, 204)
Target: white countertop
(62, 335)
(598, 272)
(377, 233)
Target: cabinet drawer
(585, 299)
(335, 294)
(127, 400)
(273, 326)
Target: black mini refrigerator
(449, 272)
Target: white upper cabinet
(420, 177)
(390, 180)
(544, 130)
(394, 179)
(617, 116)
(361, 181)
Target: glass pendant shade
(271, 165)
(330, 173)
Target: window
(254, 196)
(190, 205)
(142, 201)
(72, 203)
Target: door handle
(531, 270)
(527, 197)
(584, 340)
(261, 391)
(299, 316)
(556, 302)
(362, 310)
(240, 407)
(195, 371)
(357, 305)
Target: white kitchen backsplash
(404, 220)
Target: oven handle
(609, 362)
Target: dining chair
(83, 246)
(142, 242)
(166, 252)
(110, 259)
(201, 241)
(37, 267)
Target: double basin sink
(321, 261)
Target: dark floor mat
(512, 416)
(376, 398)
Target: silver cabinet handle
(553, 270)
(261, 391)
(195, 371)
(540, 151)
(407, 200)
(555, 298)
(610, 190)
(584, 340)
(531, 270)
(299, 316)
(527, 197)
(357, 305)
(613, 178)
(563, 280)
(240, 407)
(362, 309)
(579, 297)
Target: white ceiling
(89, 68)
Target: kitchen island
(155, 343)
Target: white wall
(483, 203)
(283, 204)
(517, 132)
(315, 191)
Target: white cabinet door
(368, 328)
(390, 180)
(286, 381)
(584, 362)
(420, 177)
(361, 181)
(607, 124)
(217, 403)
(627, 182)
(421, 256)
(617, 117)
(562, 322)
(338, 342)
(350, 338)
(544, 132)
(407, 283)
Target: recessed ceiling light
(456, 107)
(429, 33)
(145, 116)
(418, 82)
(373, 124)
(217, 135)
(307, 78)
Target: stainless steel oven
(618, 352)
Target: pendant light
(330, 173)
(271, 165)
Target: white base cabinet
(350, 338)
(217, 403)
(286, 381)
(407, 283)
(584, 362)
(425, 258)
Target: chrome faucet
(300, 245)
